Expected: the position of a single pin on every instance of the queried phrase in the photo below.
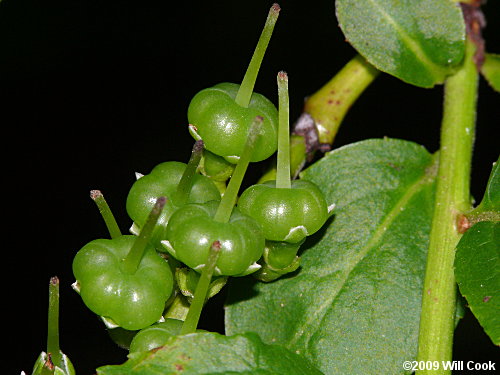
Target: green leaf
(477, 271)
(489, 208)
(211, 353)
(491, 199)
(418, 41)
(491, 70)
(353, 307)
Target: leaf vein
(374, 240)
(410, 42)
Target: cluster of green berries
(180, 211)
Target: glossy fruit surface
(285, 214)
(163, 181)
(223, 125)
(192, 230)
(132, 301)
(156, 335)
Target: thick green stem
(245, 92)
(283, 163)
(200, 294)
(107, 215)
(437, 320)
(229, 198)
(134, 256)
(329, 105)
(53, 323)
(187, 179)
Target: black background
(92, 91)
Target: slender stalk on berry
(229, 199)
(200, 293)
(105, 211)
(134, 256)
(53, 348)
(245, 92)
(187, 179)
(283, 162)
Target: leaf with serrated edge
(477, 271)
(353, 307)
(418, 41)
(211, 353)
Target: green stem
(245, 92)
(229, 198)
(329, 105)
(187, 179)
(327, 108)
(200, 294)
(283, 162)
(298, 153)
(452, 199)
(107, 215)
(53, 323)
(134, 256)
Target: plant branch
(200, 294)
(452, 198)
(53, 323)
(329, 105)
(107, 215)
(136, 252)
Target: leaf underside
(211, 353)
(477, 271)
(354, 305)
(477, 260)
(417, 41)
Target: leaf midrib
(410, 42)
(344, 276)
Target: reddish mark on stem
(95, 194)
(475, 22)
(48, 363)
(463, 224)
(486, 298)
(330, 101)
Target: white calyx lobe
(199, 268)
(194, 132)
(331, 208)
(111, 324)
(76, 286)
(166, 244)
(251, 269)
(134, 229)
(298, 231)
(233, 159)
